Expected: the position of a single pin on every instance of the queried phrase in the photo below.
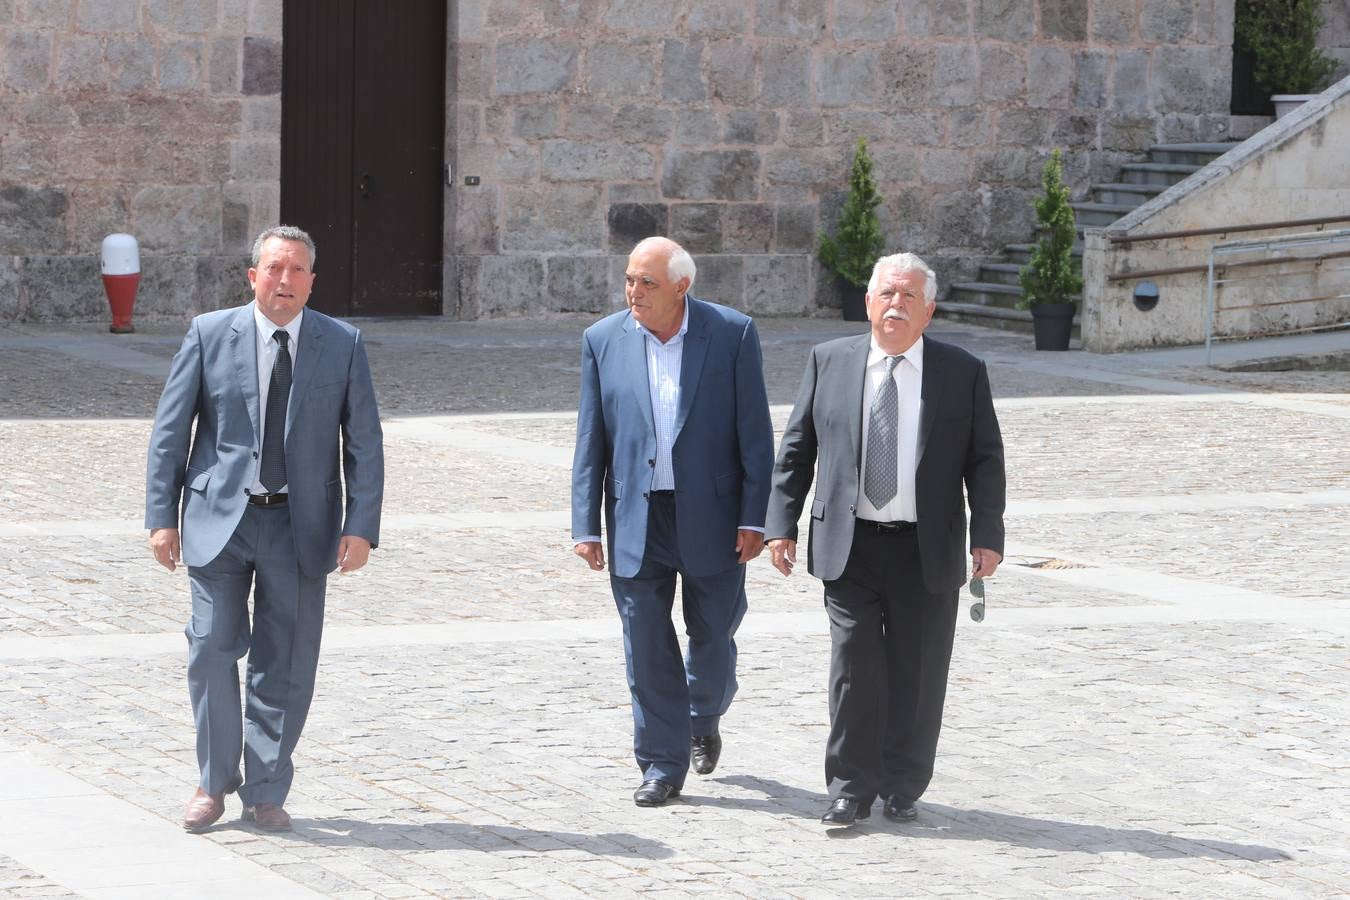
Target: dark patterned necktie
(883, 440)
(273, 471)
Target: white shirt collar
(684, 325)
(267, 328)
(914, 354)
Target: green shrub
(1282, 36)
(857, 243)
(1050, 277)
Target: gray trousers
(282, 645)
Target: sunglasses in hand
(977, 591)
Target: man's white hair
(905, 262)
(679, 264)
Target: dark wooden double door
(362, 149)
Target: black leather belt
(670, 493)
(887, 527)
(268, 499)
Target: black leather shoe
(845, 811)
(898, 810)
(654, 793)
(705, 751)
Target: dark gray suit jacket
(959, 444)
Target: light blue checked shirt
(664, 364)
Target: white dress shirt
(665, 362)
(908, 377)
(264, 328)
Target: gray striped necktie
(273, 470)
(883, 440)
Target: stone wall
(156, 117)
(590, 124)
(1296, 169)
(731, 126)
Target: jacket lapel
(855, 373)
(634, 355)
(244, 348)
(691, 361)
(930, 391)
(306, 364)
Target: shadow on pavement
(340, 832)
(949, 823)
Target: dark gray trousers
(891, 647)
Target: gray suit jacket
(959, 444)
(214, 381)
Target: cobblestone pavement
(1155, 705)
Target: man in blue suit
(278, 394)
(674, 442)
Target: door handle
(364, 184)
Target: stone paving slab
(1166, 718)
(437, 757)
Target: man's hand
(984, 562)
(166, 547)
(593, 552)
(783, 554)
(749, 544)
(353, 553)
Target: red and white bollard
(121, 276)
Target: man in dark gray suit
(278, 395)
(899, 423)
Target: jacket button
(853, 509)
(255, 454)
(646, 496)
(652, 463)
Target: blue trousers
(676, 698)
(282, 645)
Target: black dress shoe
(654, 793)
(705, 751)
(845, 811)
(898, 810)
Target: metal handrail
(1286, 242)
(1227, 229)
(1183, 270)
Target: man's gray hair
(680, 265)
(286, 233)
(906, 262)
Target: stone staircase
(992, 301)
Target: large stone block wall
(731, 126)
(156, 117)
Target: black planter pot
(855, 301)
(1052, 323)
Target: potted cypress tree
(1050, 284)
(1281, 36)
(857, 242)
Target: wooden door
(362, 149)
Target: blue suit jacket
(214, 381)
(723, 448)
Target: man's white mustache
(895, 314)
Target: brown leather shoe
(204, 809)
(268, 817)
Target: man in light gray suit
(278, 394)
